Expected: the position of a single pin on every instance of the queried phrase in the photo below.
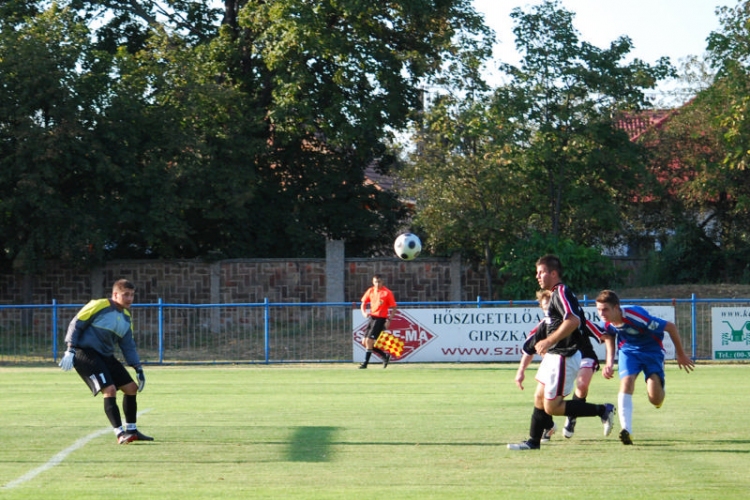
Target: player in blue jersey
(639, 338)
(561, 359)
(99, 327)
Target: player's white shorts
(589, 363)
(558, 374)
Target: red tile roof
(637, 123)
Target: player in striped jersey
(561, 359)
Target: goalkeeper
(91, 338)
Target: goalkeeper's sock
(113, 412)
(129, 408)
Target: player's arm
(609, 364)
(522, 365)
(363, 307)
(391, 313)
(683, 360)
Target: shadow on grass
(311, 444)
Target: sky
(673, 28)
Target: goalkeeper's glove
(66, 363)
(141, 378)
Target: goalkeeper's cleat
(570, 427)
(547, 434)
(526, 445)
(126, 437)
(362, 366)
(386, 360)
(625, 437)
(608, 418)
(141, 437)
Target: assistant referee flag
(390, 343)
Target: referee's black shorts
(375, 326)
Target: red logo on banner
(414, 335)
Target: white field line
(58, 459)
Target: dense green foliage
(245, 128)
(702, 215)
(539, 154)
(585, 269)
(142, 130)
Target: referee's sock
(368, 355)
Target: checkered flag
(390, 344)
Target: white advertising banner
(730, 331)
(471, 335)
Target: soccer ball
(407, 246)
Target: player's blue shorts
(647, 362)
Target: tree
(565, 168)
(46, 104)
(567, 93)
(334, 80)
(468, 193)
(704, 148)
(179, 133)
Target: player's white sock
(625, 411)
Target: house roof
(639, 122)
(380, 181)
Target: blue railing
(268, 332)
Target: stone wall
(254, 280)
(245, 281)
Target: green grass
(332, 431)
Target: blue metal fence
(267, 332)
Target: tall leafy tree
(48, 97)
(548, 141)
(213, 132)
(462, 177)
(705, 146)
(567, 93)
(334, 80)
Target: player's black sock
(576, 398)
(113, 412)
(368, 355)
(579, 408)
(539, 422)
(379, 352)
(129, 408)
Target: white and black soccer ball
(407, 246)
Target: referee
(382, 309)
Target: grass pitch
(332, 431)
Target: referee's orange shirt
(380, 301)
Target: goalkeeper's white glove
(66, 363)
(141, 378)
